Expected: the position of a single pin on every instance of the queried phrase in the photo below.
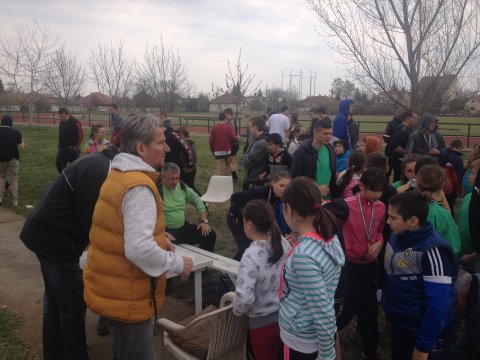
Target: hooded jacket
(422, 140)
(304, 163)
(340, 123)
(307, 287)
(255, 159)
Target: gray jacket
(255, 159)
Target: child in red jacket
(221, 139)
(362, 233)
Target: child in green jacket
(466, 250)
(430, 180)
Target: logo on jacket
(407, 253)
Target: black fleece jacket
(58, 227)
(304, 163)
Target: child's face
(473, 175)
(339, 149)
(396, 222)
(370, 195)
(410, 170)
(279, 187)
(273, 148)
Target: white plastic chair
(228, 333)
(220, 188)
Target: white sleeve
(246, 280)
(139, 211)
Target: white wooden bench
(219, 262)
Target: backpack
(452, 183)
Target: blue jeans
(63, 312)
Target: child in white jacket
(256, 293)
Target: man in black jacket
(315, 158)
(70, 136)
(57, 232)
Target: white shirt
(278, 123)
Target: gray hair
(170, 167)
(137, 129)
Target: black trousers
(64, 311)
(396, 167)
(66, 155)
(189, 180)
(236, 228)
(403, 344)
(188, 234)
(361, 300)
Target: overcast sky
(274, 35)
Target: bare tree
(342, 89)
(112, 70)
(165, 75)
(395, 43)
(25, 56)
(65, 77)
(277, 97)
(239, 82)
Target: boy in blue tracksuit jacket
(340, 123)
(419, 295)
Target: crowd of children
(398, 245)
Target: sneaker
(102, 328)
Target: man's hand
(169, 246)
(262, 176)
(204, 229)
(418, 355)
(434, 152)
(187, 268)
(324, 190)
(374, 250)
(169, 236)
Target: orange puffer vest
(115, 287)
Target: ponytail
(304, 197)
(325, 223)
(276, 241)
(356, 163)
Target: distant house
(95, 100)
(224, 101)
(315, 101)
(473, 105)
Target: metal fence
(469, 133)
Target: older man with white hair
(129, 254)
